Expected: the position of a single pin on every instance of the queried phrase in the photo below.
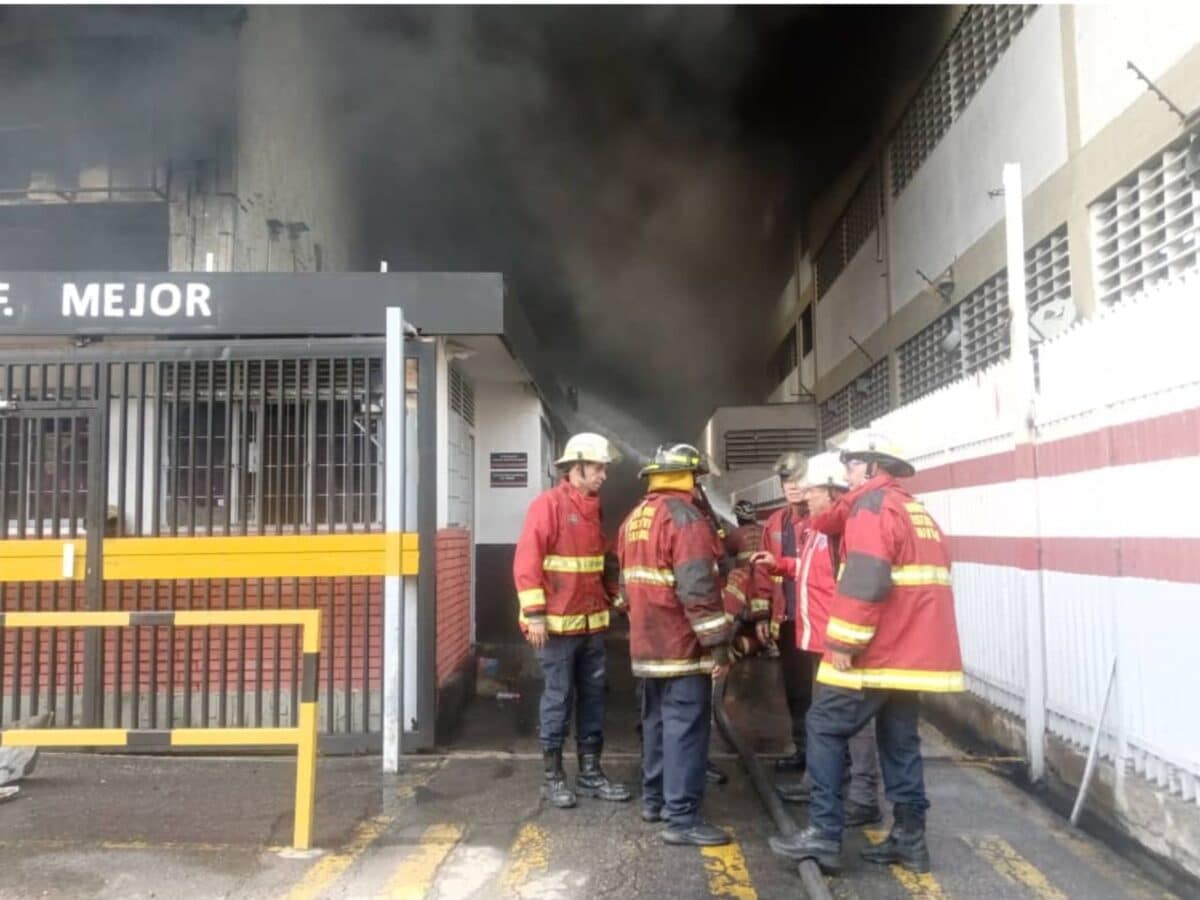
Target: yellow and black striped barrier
(303, 735)
(251, 556)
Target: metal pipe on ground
(810, 874)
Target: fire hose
(810, 874)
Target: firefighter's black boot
(810, 844)
(905, 843)
(554, 781)
(714, 775)
(592, 782)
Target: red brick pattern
(453, 601)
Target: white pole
(393, 520)
(1023, 433)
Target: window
(982, 36)
(44, 474)
(806, 331)
(856, 405)
(262, 444)
(851, 230)
(760, 447)
(783, 360)
(976, 333)
(1145, 227)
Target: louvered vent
(1146, 227)
(462, 396)
(760, 447)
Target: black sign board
(247, 303)
(510, 460)
(510, 479)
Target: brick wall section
(453, 601)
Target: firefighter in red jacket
(813, 571)
(559, 573)
(678, 639)
(783, 535)
(891, 633)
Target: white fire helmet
(826, 470)
(874, 446)
(588, 447)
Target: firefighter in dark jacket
(678, 639)
(783, 535)
(559, 571)
(891, 633)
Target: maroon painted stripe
(1166, 437)
(1163, 559)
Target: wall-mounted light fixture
(944, 284)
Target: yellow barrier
(303, 736)
(265, 556)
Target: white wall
(1018, 115)
(855, 305)
(1154, 38)
(507, 420)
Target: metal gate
(197, 439)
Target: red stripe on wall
(1162, 559)
(1172, 436)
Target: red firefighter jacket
(813, 572)
(743, 542)
(668, 554)
(747, 598)
(893, 609)
(772, 541)
(559, 568)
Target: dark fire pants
(837, 714)
(797, 666)
(676, 721)
(575, 671)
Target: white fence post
(394, 520)
(1023, 433)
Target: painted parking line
(529, 856)
(415, 876)
(727, 872)
(1004, 858)
(922, 886)
(331, 866)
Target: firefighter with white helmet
(783, 535)
(891, 633)
(560, 574)
(813, 570)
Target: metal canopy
(218, 303)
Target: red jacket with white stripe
(559, 567)
(813, 572)
(668, 554)
(893, 610)
(772, 541)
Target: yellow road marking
(923, 887)
(1004, 858)
(530, 855)
(329, 867)
(414, 877)
(727, 872)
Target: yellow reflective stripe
(745, 554)
(848, 632)
(710, 624)
(666, 668)
(581, 564)
(778, 579)
(760, 604)
(910, 576)
(774, 628)
(568, 624)
(646, 575)
(898, 679)
(532, 597)
(736, 591)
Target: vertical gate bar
(174, 475)
(95, 506)
(122, 479)
(227, 469)
(331, 520)
(348, 637)
(22, 487)
(35, 705)
(304, 479)
(156, 520)
(314, 430)
(369, 519)
(4, 426)
(244, 502)
(55, 588)
(73, 532)
(189, 586)
(209, 501)
(135, 690)
(393, 483)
